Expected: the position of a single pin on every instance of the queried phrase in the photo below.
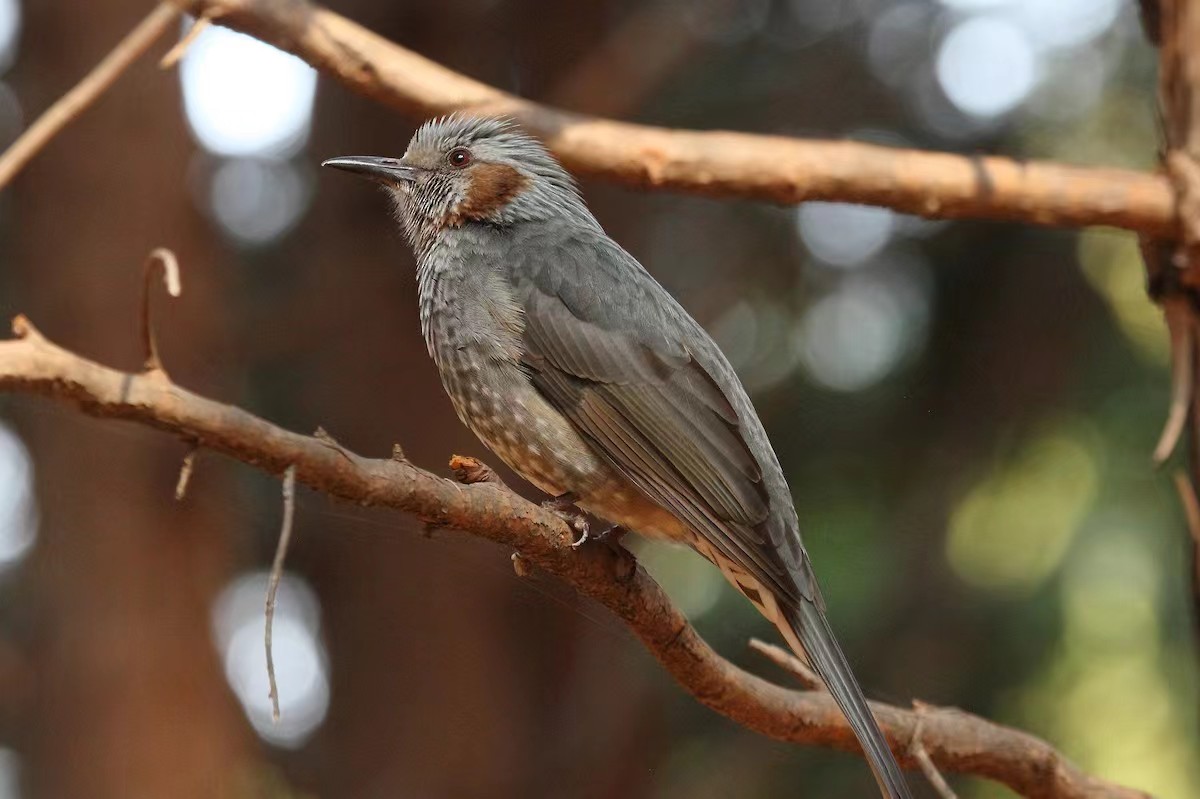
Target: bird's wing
(609, 348)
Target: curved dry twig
(718, 163)
(160, 260)
(955, 741)
(1183, 382)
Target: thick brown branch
(955, 741)
(720, 164)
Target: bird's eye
(459, 157)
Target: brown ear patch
(492, 187)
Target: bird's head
(459, 170)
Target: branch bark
(717, 163)
(956, 741)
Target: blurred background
(965, 412)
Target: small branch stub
(185, 472)
(468, 471)
(916, 748)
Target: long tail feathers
(808, 624)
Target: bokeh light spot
(245, 98)
(256, 201)
(844, 235)
(898, 42)
(10, 29)
(859, 333)
(1113, 668)
(1112, 264)
(1110, 592)
(10, 774)
(1064, 23)
(986, 66)
(692, 582)
(1012, 530)
(18, 511)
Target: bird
(571, 363)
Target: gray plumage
(577, 368)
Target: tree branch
(955, 741)
(717, 163)
(94, 84)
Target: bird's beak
(390, 171)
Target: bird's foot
(565, 508)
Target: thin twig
(285, 538)
(1183, 383)
(177, 52)
(789, 663)
(185, 472)
(74, 102)
(916, 748)
(166, 261)
(1191, 510)
(1192, 514)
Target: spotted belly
(516, 422)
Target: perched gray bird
(575, 366)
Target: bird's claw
(565, 508)
(584, 529)
(610, 535)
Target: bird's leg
(563, 503)
(611, 535)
